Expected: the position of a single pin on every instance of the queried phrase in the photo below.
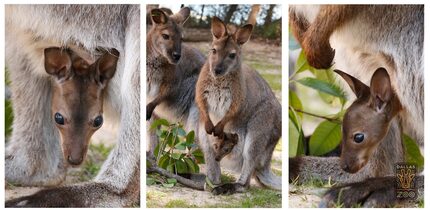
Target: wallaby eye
(213, 50)
(165, 36)
(232, 55)
(358, 137)
(59, 119)
(98, 121)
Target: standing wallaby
(236, 99)
(361, 38)
(33, 154)
(223, 146)
(77, 97)
(172, 69)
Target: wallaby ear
(380, 88)
(106, 65)
(182, 16)
(158, 16)
(218, 29)
(243, 34)
(360, 89)
(57, 62)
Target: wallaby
(361, 38)
(33, 154)
(77, 97)
(172, 69)
(237, 99)
(224, 146)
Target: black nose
(176, 56)
(346, 167)
(74, 161)
(218, 70)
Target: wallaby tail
(267, 178)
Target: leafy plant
(176, 150)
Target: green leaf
(181, 132)
(301, 63)
(176, 156)
(164, 161)
(328, 76)
(198, 154)
(190, 137)
(170, 139)
(170, 168)
(181, 167)
(8, 117)
(150, 181)
(181, 146)
(295, 135)
(412, 152)
(159, 122)
(325, 138)
(168, 185)
(172, 181)
(294, 101)
(192, 166)
(323, 86)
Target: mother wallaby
(233, 97)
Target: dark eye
(358, 138)
(59, 119)
(165, 36)
(213, 50)
(232, 55)
(98, 121)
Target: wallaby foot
(90, 194)
(228, 189)
(373, 192)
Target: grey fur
(33, 156)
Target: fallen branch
(187, 182)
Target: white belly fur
(219, 102)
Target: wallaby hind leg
(33, 155)
(264, 173)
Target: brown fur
(224, 146)
(370, 115)
(314, 38)
(78, 92)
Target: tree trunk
(201, 15)
(252, 18)
(269, 15)
(231, 9)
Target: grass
(253, 198)
(179, 204)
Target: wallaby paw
(369, 193)
(219, 131)
(319, 55)
(149, 110)
(209, 127)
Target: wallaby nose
(75, 161)
(345, 167)
(176, 56)
(218, 70)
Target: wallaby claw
(219, 131)
(209, 127)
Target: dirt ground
(179, 196)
